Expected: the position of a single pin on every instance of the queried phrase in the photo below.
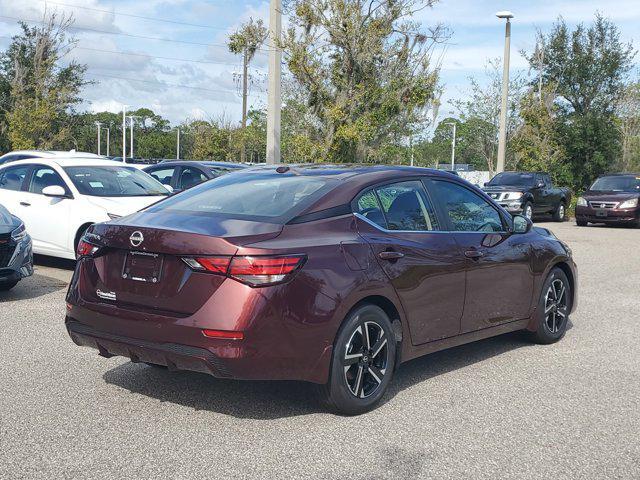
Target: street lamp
(98, 124)
(108, 131)
(502, 139)
(124, 133)
(453, 145)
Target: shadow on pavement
(54, 262)
(264, 400)
(33, 287)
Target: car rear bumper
(610, 216)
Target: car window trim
(503, 221)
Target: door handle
(390, 255)
(474, 254)
(25, 204)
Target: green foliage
(363, 72)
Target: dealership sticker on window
(96, 184)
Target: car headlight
(113, 216)
(581, 202)
(513, 195)
(633, 203)
(19, 233)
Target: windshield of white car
(626, 183)
(513, 179)
(114, 181)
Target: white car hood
(123, 206)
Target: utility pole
(99, 125)
(245, 87)
(274, 102)
(502, 139)
(131, 117)
(178, 145)
(124, 133)
(108, 131)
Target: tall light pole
(177, 144)
(124, 133)
(99, 125)
(453, 145)
(502, 139)
(274, 102)
(108, 132)
(131, 117)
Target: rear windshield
(114, 182)
(627, 183)
(510, 179)
(252, 196)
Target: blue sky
(195, 76)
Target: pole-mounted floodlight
(504, 14)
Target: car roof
(66, 162)
(630, 174)
(53, 153)
(205, 163)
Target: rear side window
(467, 211)
(251, 196)
(12, 178)
(399, 206)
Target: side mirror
(486, 184)
(170, 188)
(541, 185)
(54, 191)
(521, 224)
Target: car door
(499, 280)
(12, 180)
(424, 265)
(540, 194)
(46, 218)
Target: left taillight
(255, 271)
(86, 249)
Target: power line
(164, 84)
(131, 35)
(113, 12)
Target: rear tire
(5, 287)
(362, 363)
(560, 212)
(553, 308)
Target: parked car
(183, 174)
(529, 193)
(16, 258)
(328, 274)
(58, 198)
(26, 154)
(612, 199)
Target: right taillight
(255, 271)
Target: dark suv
(328, 274)
(529, 193)
(612, 199)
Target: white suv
(59, 198)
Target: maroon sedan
(328, 274)
(612, 199)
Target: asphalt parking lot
(500, 408)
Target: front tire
(553, 308)
(581, 223)
(362, 363)
(5, 287)
(527, 210)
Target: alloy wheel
(561, 211)
(528, 212)
(555, 306)
(366, 359)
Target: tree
(584, 70)
(480, 113)
(628, 113)
(246, 42)
(363, 72)
(42, 91)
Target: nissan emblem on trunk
(136, 238)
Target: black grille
(6, 249)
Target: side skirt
(416, 351)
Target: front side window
(114, 182)
(399, 206)
(467, 211)
(12, 178)
(44, 177)
(190, 177)
(163, 175)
